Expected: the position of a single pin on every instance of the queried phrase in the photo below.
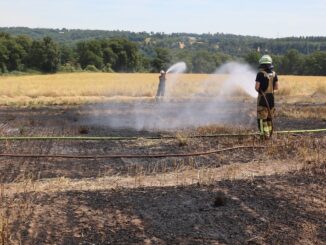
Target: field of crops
(78, 88)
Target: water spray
(177, 68)
(174, 72)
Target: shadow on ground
(271, 210)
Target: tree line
(295, 63)
(118, 54)
(235, 45)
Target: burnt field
(274, 195)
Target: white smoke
(219, 107)
(238, 76)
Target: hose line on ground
(115, 156)
(100, 138)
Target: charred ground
(266, 196)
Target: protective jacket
(265, 102)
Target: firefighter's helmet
(162, 72)
(266, 59)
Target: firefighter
(266, 84)
(161, 85)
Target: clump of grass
(182, 140)
(83, 130)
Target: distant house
(147, 40)
(182, 45)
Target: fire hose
(115, 156)
(158, 137)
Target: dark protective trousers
(264, 118)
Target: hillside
(235, 45)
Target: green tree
(253, 58)
(109, 57)
(25, 43)
(161, 60)
(45, 55)
(51, 56)
(126, 55)
(67, 55)
(144, 64)
(277, 62)
(12, 53)
(315, 64)
(15, 55)
(203, 62)
(221, 59)
(185, 56)
(36, 55)
(90, 53)
(3, 57)
(292, 63)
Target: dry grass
(79, 88)
(3, 219)
(182, 175)
(304, 112)
(302, 85)
(310, 153)
(20, 208)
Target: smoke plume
(229, 101)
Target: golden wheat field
(79, 88)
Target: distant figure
(161, 85)
(266, 83)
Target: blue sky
(268, 18)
